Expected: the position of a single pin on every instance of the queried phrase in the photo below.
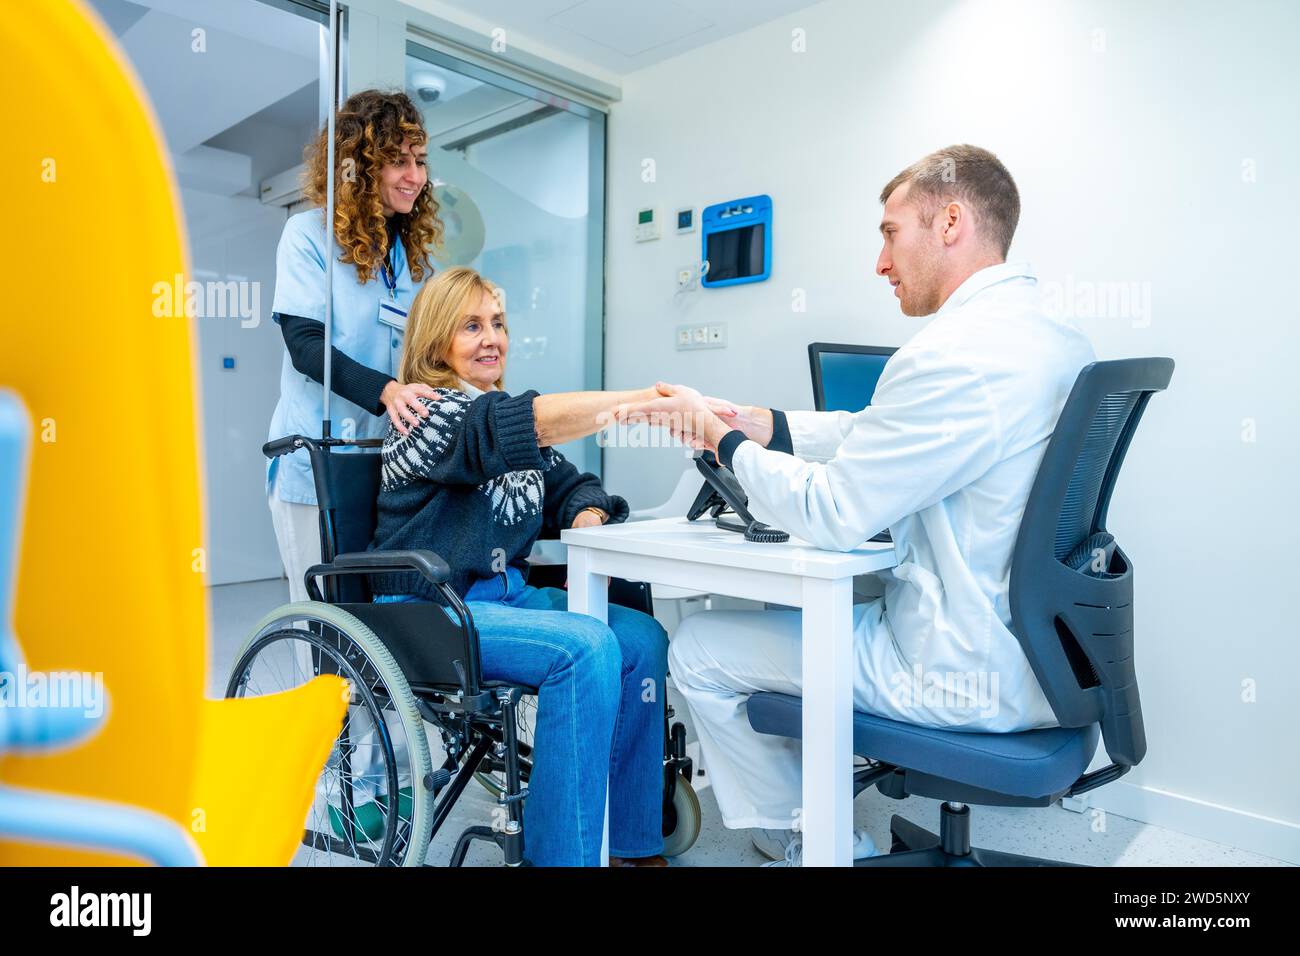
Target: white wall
(1133, 131)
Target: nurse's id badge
(392, 315)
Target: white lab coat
(944, 458)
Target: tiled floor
(1053, 832)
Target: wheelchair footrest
(511, 842)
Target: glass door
(235, 87)
(520, 176)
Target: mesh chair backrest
(1079, 509)
(1071, 584)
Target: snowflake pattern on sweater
(470, 483)
(515, 496)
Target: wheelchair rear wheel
(381, 751)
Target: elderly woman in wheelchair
(455, 637)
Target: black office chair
(1072, 611)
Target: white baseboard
(1266, 836)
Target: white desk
(697, 555)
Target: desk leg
(589, 594)
(828, 668)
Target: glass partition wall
(238, 90)
(519, 174)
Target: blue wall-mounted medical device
(737, 241)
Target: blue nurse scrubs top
(357, 332)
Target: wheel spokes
(370, 739)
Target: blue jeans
(600, 712)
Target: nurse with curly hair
(385, 225)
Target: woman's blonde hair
(435, 317)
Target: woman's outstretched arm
(566, 416)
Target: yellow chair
(110, 566)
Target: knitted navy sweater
(470, 483)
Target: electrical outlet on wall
(711, 336)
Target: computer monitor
(844, 377)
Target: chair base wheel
(912, 845)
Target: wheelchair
(410, 667)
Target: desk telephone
(722, 493)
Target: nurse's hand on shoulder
(403, 405)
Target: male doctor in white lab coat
(943, 457)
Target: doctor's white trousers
(719, 658)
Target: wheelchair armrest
(427, 564)
(431, 565)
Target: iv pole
(329, 214)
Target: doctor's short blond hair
(436, 314)
(966, 173)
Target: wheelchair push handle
(282, 446)
(291, 443)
